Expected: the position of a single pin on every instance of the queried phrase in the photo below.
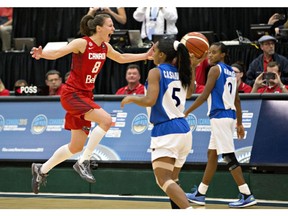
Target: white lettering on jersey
(97, 56)
(90, 79)
(230, 73)
(171, 75)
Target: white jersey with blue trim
(171, 100)
(222, 96)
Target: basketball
(196, 43)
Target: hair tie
(176, 44)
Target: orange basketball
(196, 43)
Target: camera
(268, 75)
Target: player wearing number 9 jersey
(88, 56)
(223, 94)
(224, 108)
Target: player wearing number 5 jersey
(88, 56)
(224, 108)
(168, 85)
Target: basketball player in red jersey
(88, 57)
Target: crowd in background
(145, 19)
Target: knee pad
(166, 185)
(230, 160)
(162, 165)
(166, 166)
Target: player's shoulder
(78, 42)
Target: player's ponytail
(184, 65)
(89, 23)
(175, 50)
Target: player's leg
(163, 168)
(40, 171)
(104, 120)
(175, 177)
(179, 147)
(199, 195)
(211, 167)
(247, 198)
(228, 155)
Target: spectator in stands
(20, 83)
(118, 15)
(133, 79)
(259, 64)
(202, 71)
(53, 79)
(66, 76)
(3, 90)
(6, 19)
(156, 20)
(279, 21)
(239, 69)
(198, 88)
(270, 85)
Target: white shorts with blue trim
(221, 139)
(175, 146)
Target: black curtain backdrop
(59, 24)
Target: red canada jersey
(86, 66)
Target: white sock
(203, 188)
(244, 189)
(95, 137)
(60, 155)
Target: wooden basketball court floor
(9, 201)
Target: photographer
(259, 64)
(270, 82)
(278, 21)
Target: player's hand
(150, 53)
(195, 61)
(36, 52)
(240, 131)
(126, 100)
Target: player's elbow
(149, 102)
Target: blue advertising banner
(270, 143)
(33, 130)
